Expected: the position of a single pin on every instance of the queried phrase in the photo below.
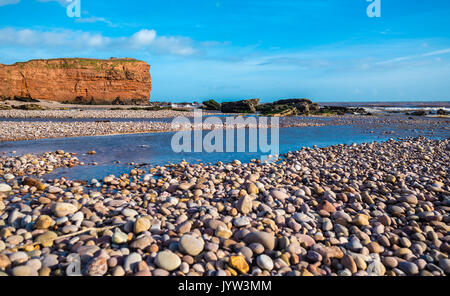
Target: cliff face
(87, 81)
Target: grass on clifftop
(79, 63)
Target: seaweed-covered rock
(341, 110)
(211, 105)
(302, 105)
(246, 106)
(288, 107)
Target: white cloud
(8, 2)
(175, 45)
(144, 40)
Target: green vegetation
(80, 63)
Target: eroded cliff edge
(76, 80)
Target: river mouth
(120, 153)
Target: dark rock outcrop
(211, 105)
(442, 112)
(418, 113)
(246, 106)
(79, 81)
(288, 107)
(340, 110)
(302, 105)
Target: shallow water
(155, 149)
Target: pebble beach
(24, 131)
(375, 209)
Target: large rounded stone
(141, 225)
(445, 265)
(223, 232)
(361, 220)
(276, 194)
(252, 189)
(241, 221)
(46, 239)
(33, 183)
(97, 267)
(24, 270)
(264, 262)
(9, 177)
(50, 260)
(349, 263)
(132, 260)
(119, 238)
(167, 260)
(142, 242)
(44, 222)
(191, 245)
(245, 205)
(129, 212)
(264, 238)
(4, 188)
(61, 209)
(4, 261)
(409, 268)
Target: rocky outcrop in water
(285, 108)
(80, 81)
(341, 110)
(246, 106)
(211, 105)
(288, 107)
(418, 113)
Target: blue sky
(326, 50)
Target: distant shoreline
(390, 104)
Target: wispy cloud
(411, 57)
(94, 19)
(62, 2)
(437, 52)
(8, 2)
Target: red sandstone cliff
(91, 81)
